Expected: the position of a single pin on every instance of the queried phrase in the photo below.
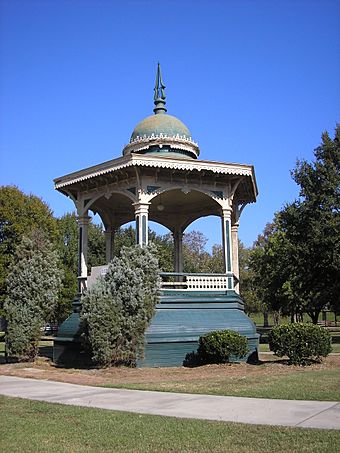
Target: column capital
(83, 219)
(109, 231)
(227, 211)
(177, 233)
(141, 207)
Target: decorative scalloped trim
(162, 136)
(188, 166)
(176, 141)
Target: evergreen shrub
(218, 346)
(301, 343)
(33, 285)
(118, 308)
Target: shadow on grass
(193, 360)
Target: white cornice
(149, 161)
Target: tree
(19, 215)
(33, 285)
(195, 257)
(272, 272)
(248, 293)
(117, 309)
(296, 263)
(216, 265)
(164, 246)
(67, 246)
(126, 237)
(311, 224)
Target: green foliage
(33, 286)
(218, 346)
(164, 250)
(252, 301)
(312, 228)
(19, 215)
(67, 246)
(296, 263)
(126, 237)
(301, 343)
(195, 257)
(118, 308)
(101, 320)
(271, 268)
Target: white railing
(197, 282)
(181, 281)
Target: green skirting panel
(182, 317)
(67, 347)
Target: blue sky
(256, 82)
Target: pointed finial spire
(159, 96)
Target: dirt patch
(45, 369)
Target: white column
(227, 244)
(142, 221)
(178, 250)
(83, 224)
(109, 242)
(236, 268)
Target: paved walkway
(306, 414)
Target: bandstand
(160, 178)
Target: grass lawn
(336, 347)
(258, 318)
(32, 426)
(297, 384)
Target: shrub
(218, 346)
(301, 343)
(117, 310)
(33, 284)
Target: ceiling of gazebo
(181, 209)
(173, 209)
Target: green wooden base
(181, 318)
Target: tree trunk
(314, 316)
(277, 317)
(265, 319)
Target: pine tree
(33, 285)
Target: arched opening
(178, 208)
(115, 209)
(202, 246)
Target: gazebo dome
(161, 133)
(160, 124)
